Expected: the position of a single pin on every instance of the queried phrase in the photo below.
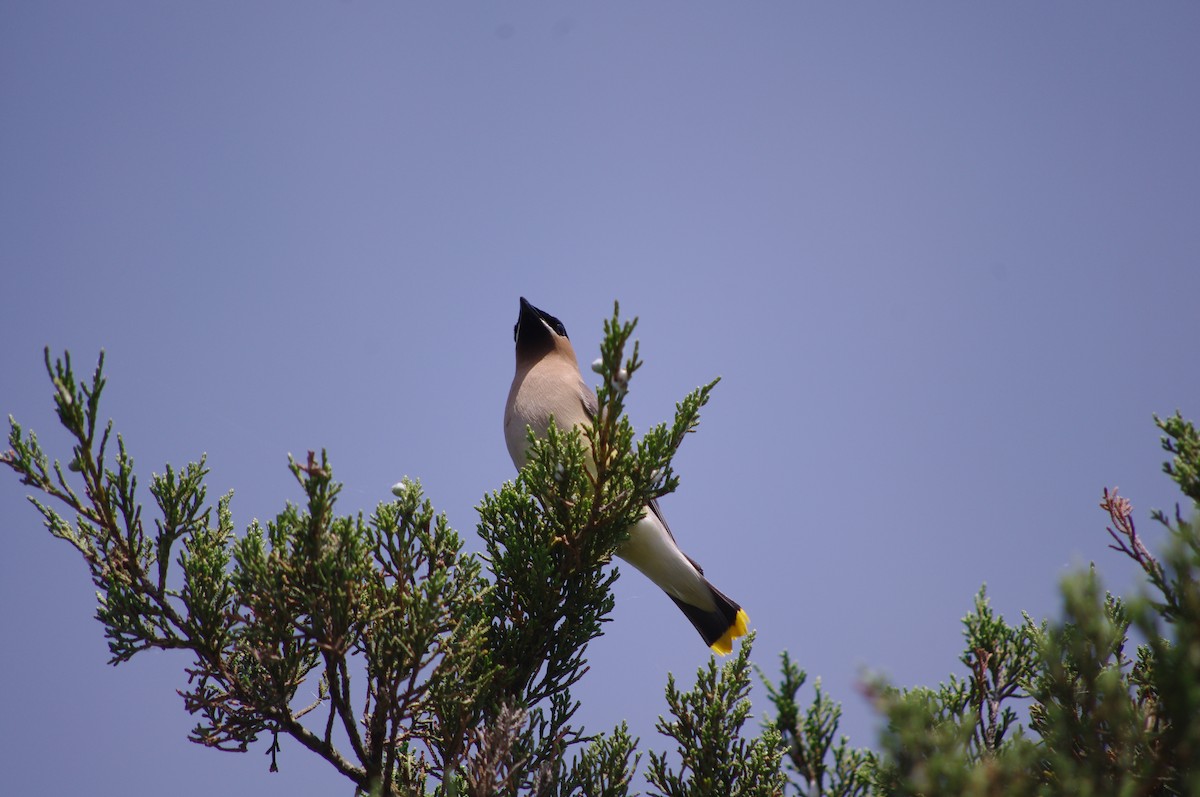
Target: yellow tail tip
(741, 623)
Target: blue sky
(943, 256)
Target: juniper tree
(1105, 714)
(438, 671)
(434, 669)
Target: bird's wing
(588, 399)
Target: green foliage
(1092, 730)
(431, 667)
(961, 737)
(1052, 708)
(431, 670)
(827, 769)
(606, 767)
(1182, 442)
(1100, 722)
(707, 723)
(952, 739)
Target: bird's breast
(536, 396)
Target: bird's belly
(532, 407)
(652, 551)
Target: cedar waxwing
(548, 383)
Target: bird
(547, 384)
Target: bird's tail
(718, 627)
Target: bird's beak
(528, 317)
